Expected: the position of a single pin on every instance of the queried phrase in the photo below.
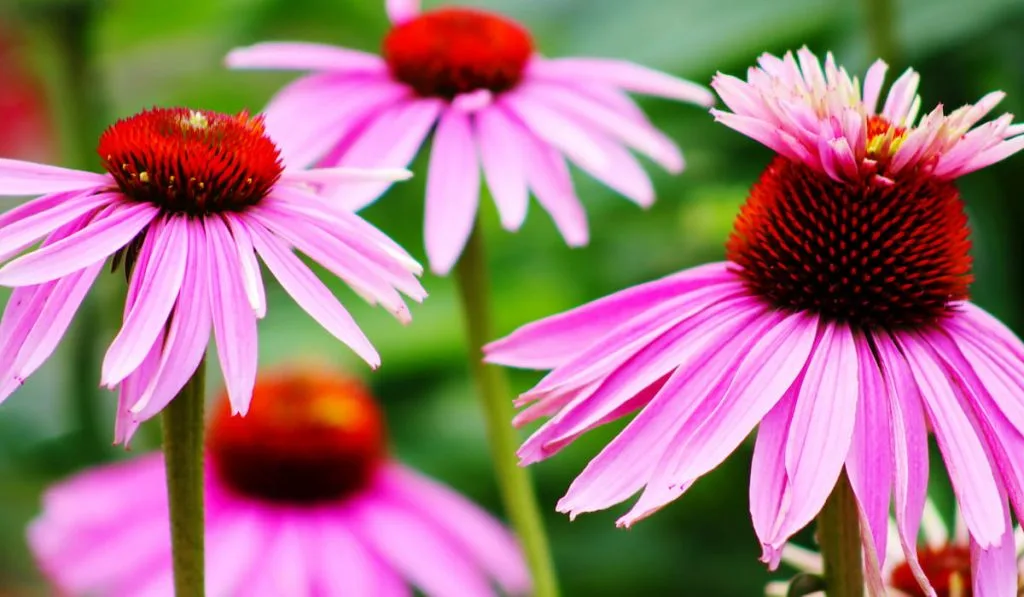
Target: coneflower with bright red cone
(840, 325)
(189, 199)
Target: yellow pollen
(956, 585)
(144, 176)
(195, 120)
(340, 412)
(885, 145)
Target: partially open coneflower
(840, 323)
(945, 558)
(189, 199)
(498, 105)
(302, 500)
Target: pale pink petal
(19, 178)
(972, 476)
(400, 11)
(390, 139)
(479, 535)
(870, 462)
(768, 492)
(551, 342)
(286, 569)
(575, 141)
(27, 223)
(155, 289)
(453, 191)
(345, 567)
(620, 73)
(311, 294)
(131, 390)
(234, 324)
(549, 178)
(251, 278)
(873, 85)
(994, 570)
(502, 161)
(731, 411)
(90, 245)
(304, 56)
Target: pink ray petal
(156, 290)
(768, 484)
(994, 571)
(623, 74)
(130, 391)
(502, 161)
(556, 131)
(453, 192)
(304, 56)
(234, 324)
(252, 280)
(342, 564)
(549, 178)
(27, 223)
(311, 294)
(873, 85)
(18, 178)
(92, 244)
(400, 11)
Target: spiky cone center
(948, 569)
(195, 162)
(308, 438)
(450, 51)
(871, 254)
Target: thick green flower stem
(515, 483)
(839, 537)
(183, 456)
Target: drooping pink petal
(969, 469)
(311, 294)
(556, 131)
(130, 391)
(92, 244)
(481, 537)
(400, 11)
(549, 178)
(155, 289)
(18, 178)
(343, 565)
(234, 324)
(994, 571)
(623, 74)
(252, 281)
(768, 492)
(304, 56)
(502, 161)
(27, 223)
(728, 414)
(553, 341)
(870, 462)
(453, 191)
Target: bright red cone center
(449, 51)
(306, 439)
(947, 569)
(191, 161)
(865, 253)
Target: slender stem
(183, 456)
(839, 536)
(881, 24)
(515, 483)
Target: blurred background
(68, 68)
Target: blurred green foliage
(163, 53)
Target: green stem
(881, 24)
(183, 457)
(839, 536)
(514, 481)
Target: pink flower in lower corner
(497, 104)
(189, 200)
(840, 327)
(302, 501)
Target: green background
(114, 58)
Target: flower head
(497, 105)
(840, 326)
(189, 199)
(302, 500)
(824, 119)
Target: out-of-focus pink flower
(27, 131)
(498, 106)
(188, 201)
(302, 500)
(839, 325)
(822, 118)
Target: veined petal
(623, 74)
(18, 178)
(453, 191)
(304, 56)
(503, 165)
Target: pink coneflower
(840, 323)
(498, 106)
(302, 500)
(188, 201)
(944, 556)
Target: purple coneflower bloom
(497, 104)
(188, 201)
(302, 500)
(840, 323)
(944, 554)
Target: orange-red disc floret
(870, 254)
(191, 161)
(308, 438)
(449, 51)
(945, 568)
